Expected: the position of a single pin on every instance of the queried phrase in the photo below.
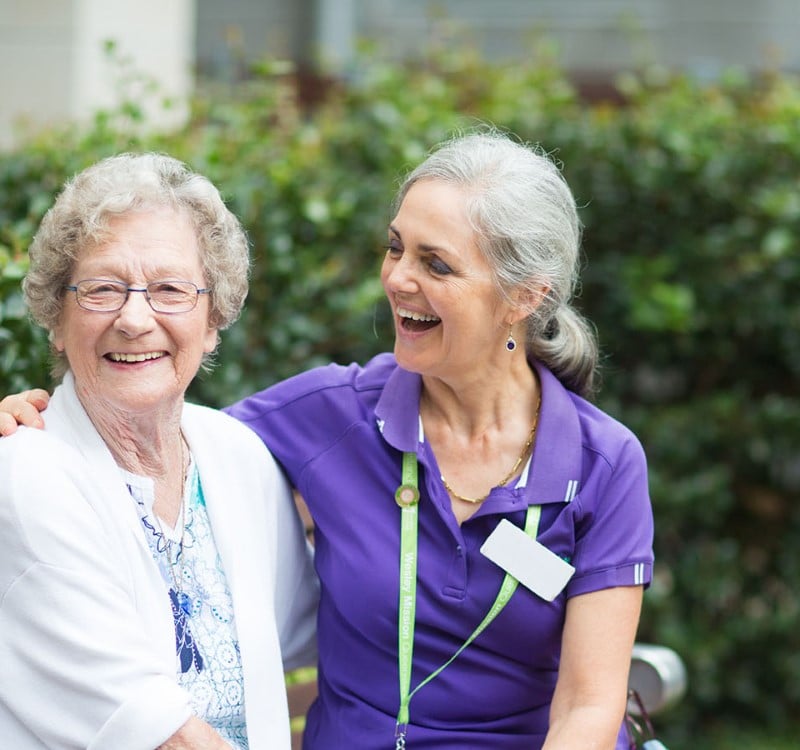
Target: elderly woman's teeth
(120, 357)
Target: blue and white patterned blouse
(209, 665)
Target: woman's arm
(195, 734)
(591, 693)
(23, 408)
(84, 632)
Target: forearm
(589, 701)
(195, 734)
(585, 727)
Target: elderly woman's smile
(161, 350)
(132, 358)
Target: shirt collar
(397, 410)
(554, 474)
(555, 471)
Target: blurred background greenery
(690, 195)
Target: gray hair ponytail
(525, 217)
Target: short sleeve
(614, 522)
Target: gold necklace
(514, 469)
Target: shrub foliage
(690, 197)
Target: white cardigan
(87, 639)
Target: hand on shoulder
(23, 408)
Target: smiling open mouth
(414, 321)
(143, 357)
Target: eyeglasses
(102, 295)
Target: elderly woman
(152, 564)
(483, 532)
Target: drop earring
(511, 344)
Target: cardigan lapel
(239, 512)
(66, 418)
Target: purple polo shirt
(339, 433)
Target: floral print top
(208, 662)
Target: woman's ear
(210, 340)
(57, 339)
(525, 300)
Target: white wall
(54, 68)
(35, 60)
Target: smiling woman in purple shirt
(483, 532)
(483, 401)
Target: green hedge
(691, 199)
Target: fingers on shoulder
(22, 408)
(38, 397)
(8, 424)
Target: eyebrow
(425, 248)
(107, 270)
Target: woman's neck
(140, 444)
(473, 407)
(149, 445)
(480, 436)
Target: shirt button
(458, 549)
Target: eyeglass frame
(640, 727)
(145, 290)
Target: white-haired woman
(152, 562)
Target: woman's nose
(135, 315)
(399, 275)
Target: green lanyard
(407, 497)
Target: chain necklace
(177, 577)
(514, 469)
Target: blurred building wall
(593, 36)
(54, 67)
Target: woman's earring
(511, 344)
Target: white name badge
(531, 563)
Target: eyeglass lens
(164, 296)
